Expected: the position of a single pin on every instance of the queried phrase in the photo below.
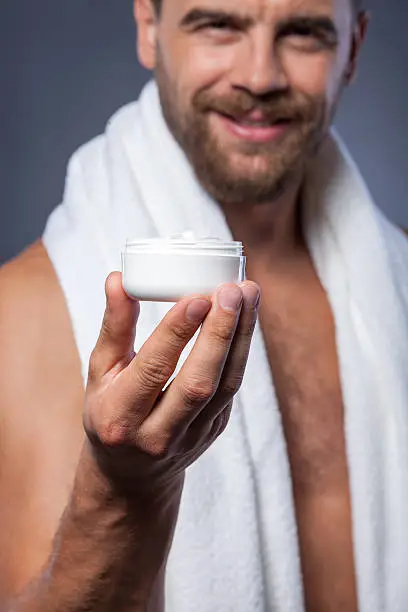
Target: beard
(243, 172)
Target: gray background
(65, 66)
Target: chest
(299, 334)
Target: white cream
(165, 270)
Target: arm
(111, 546)
(60, 526)
(108, 554)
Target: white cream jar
(165, 270)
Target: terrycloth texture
(235, 548)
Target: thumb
(117, 336)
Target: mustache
(274, 106)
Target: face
(249, 89)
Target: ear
(146, 23)
(358, 37)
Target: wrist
(139, 524)
(102, 483)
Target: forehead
(263, 9)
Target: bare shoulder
(34, 320)
(40, 413)
(30, 275)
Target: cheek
(195, 66)
(315, 75)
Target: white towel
(235, 547)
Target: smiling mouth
(254, 128)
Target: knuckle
(155, 370)
(159, 451)
(112, 329)
(156, 446)
(106, 328)
(249, 329)
(178, 333)
(224, 330)
(198, 391)
(221, 422)
(231, 386)
(114, 433)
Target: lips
(254, 118)
(258, 122)
(254, 127)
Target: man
(90, 496)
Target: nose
(259, 69)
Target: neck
(270, 232)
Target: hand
(144, 437)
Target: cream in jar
(167, 269)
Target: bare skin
(260, 56)
(43, 436)
(88, 519)
(227, 56)
(41, 415)
(299, 334)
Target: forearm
(109, 553)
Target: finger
(204, 430)
(117, 336)
(198, 379)
(144, 379)
(235, 364)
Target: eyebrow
(198, 15)
(322, 23)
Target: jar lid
(185, 243)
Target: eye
(309, 36)
(306, 33)
(221, 25)
(300, 30)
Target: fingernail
(251, 295)
(230, 297)
(197, 310)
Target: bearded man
(120, 492)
